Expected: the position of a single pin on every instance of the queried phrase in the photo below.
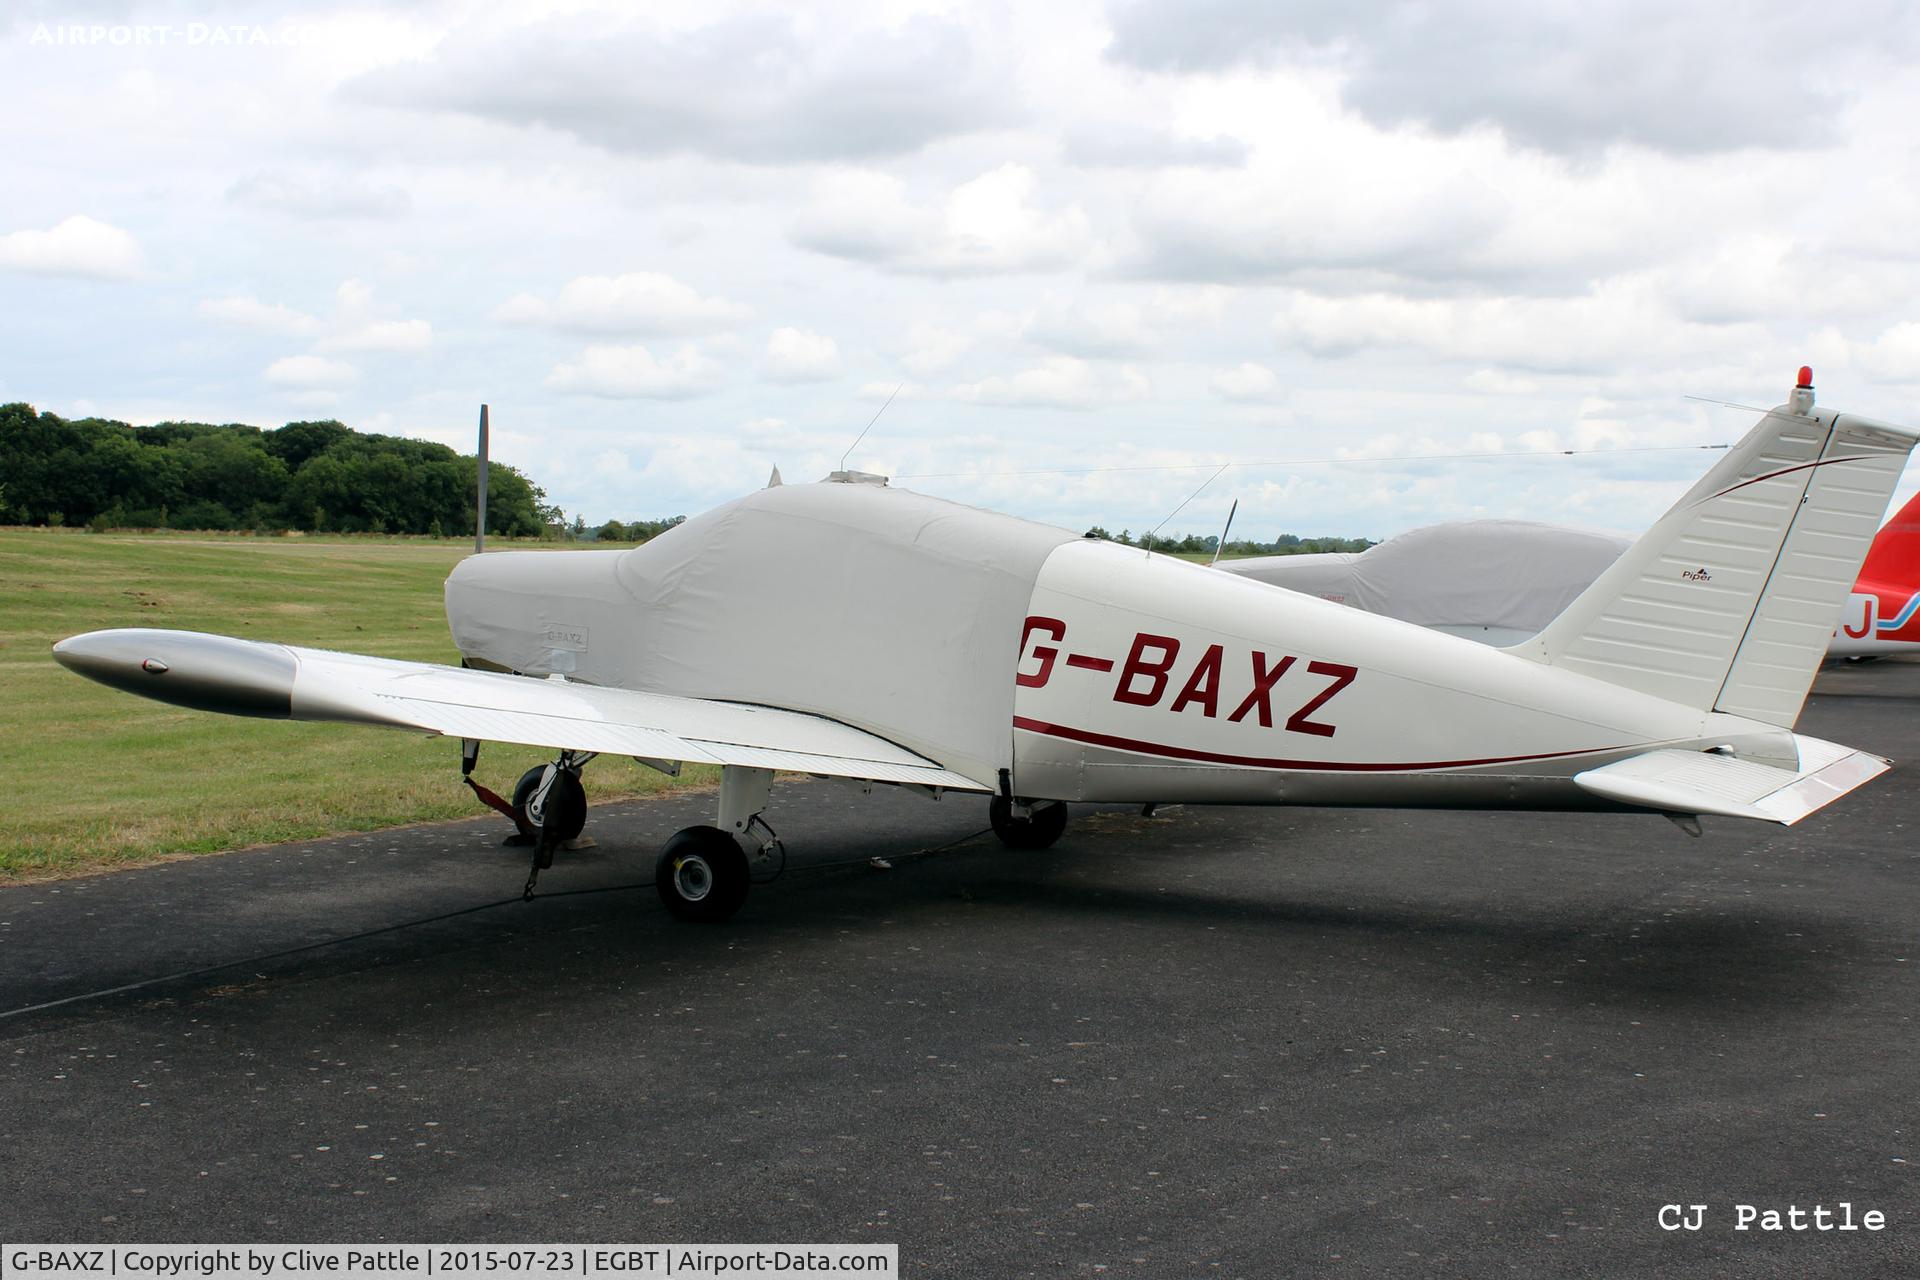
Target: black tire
(566, 807)
(702, 875)
(1036, 832)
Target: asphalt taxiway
(1213, 1041)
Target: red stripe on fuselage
(1261, 762)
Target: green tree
(230, 471)
(296, 442)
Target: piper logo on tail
(1696, 575)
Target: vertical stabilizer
(1728, 602)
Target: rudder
(1728, 601)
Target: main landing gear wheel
(563, 816)
(1037, 831)
(702, 875)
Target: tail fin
(1728, 602)
(1892, 573)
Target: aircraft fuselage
(1144, 678)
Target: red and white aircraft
(1883, 614)
(853, 630)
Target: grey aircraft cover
(1497, 581)
(894, 612)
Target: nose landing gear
(548, 809)
(550, 800)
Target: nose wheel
(560, 813)
(702, 875)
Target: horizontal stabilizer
(1695, 782)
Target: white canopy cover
(1495, 580)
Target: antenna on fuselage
(1147, 542)
(1221, 545)
(863, 431)
(480, 484)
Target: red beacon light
(1801, 401)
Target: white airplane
(853, 630)
(1502, 581)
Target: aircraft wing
(1694, 782)
(249, 677)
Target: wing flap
(1675, 781)
(569, 733)
(545, 712)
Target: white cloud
(1894, 354)
(1750, 276)
(1125, 145)
(77, 246)
(1499, 383)
(1112, 327)
(354, 324)
(797, 355)
(310, 373)
(1616, 326)
(761, 433)
(884, 391)
(358, 325)
(330, 196)
(766, 88)
(988, 226)
(1559, 76)
(247, 312)
(1062, 382)
(640, 302)
(380, 335)
(1247, 381)
(627, 373)
(932, 348)
(1298, 210)
(353, 298)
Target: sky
(1092, 250)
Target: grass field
(97, 778)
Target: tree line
(324, 477)
(315, 476)
(1287, 544)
